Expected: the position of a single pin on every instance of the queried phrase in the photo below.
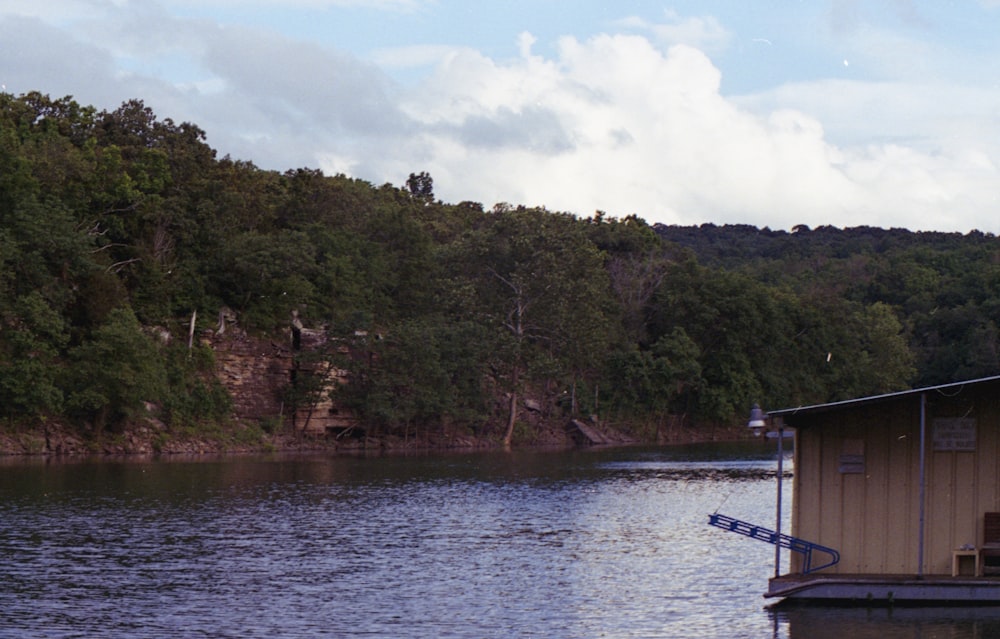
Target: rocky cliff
(260, 372)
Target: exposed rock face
(255, 372)
(259, 372)
(322, 416)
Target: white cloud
(615, 122)
(379, 5)
(930, 117)
(412, 56)
(33, 53)
(55, 10)
(702, 32)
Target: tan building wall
(857, 480)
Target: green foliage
(32, 336)
(654, 380)
(421, 374)
(114, 372)
(265, 277)
(114, 222)
(421, 186)
(941, 287)
(193, 394)
(540, 286)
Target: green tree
(114, 373)
(653, 381)
(31, 340)
(541, 288)
(421, 374)
(194, 394)
(266, 276)
(421, 186)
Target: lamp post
(757, 423)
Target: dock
(886, 589)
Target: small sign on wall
(954, 434)
(852, 457)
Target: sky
(770, 113)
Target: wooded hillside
(117, 227)
(943, 287)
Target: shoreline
(153, 439)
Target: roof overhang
(816, 409)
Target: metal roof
(850, 403)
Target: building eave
(951, 388)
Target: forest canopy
(116, 227)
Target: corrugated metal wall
(869, 511)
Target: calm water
(555, 545)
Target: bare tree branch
(117, 266)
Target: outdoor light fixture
(756, 423)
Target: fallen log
(584, 434)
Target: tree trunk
(515, 378)
(100, 421)
(573, 408)
(511, 419)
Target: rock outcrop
(259, 373)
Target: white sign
(955, 433)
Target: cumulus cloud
(261, 96)
(31, 49)
(627, 123)
(417, 56)
(702, 32)
(617, 124)
(380, 5)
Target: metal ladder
(785, 541)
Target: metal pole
(923, 463)
(781, 473)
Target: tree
(421, 186)
(114, 373)
(653, 381)
(266, 276)
(31, 341)
(421, 374)
(541, 288)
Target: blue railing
(785, 541)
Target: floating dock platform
(886, 589)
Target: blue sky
(841, 112)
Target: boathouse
(905, 487)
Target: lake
(572, 544)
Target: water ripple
(546, 546)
